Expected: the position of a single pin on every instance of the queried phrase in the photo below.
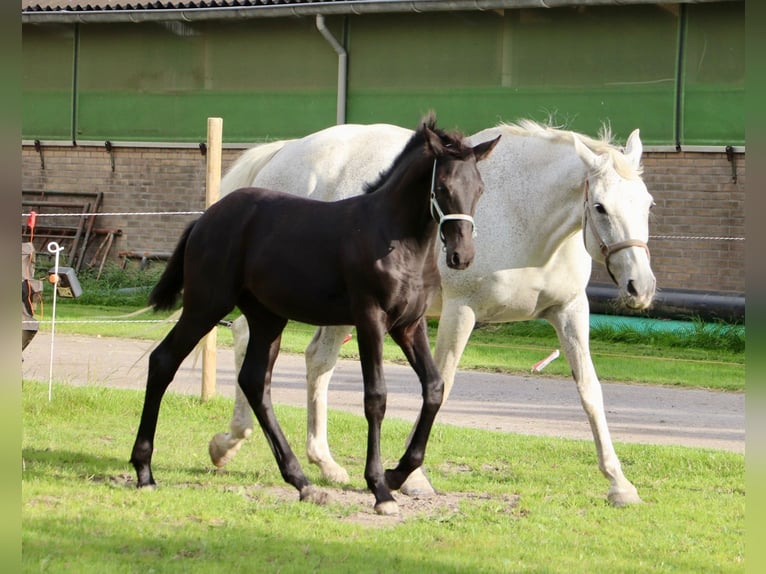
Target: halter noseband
(607, 250)
(439, 216)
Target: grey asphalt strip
(529, 404)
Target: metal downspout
(678, 111)
(340, 116)
(75, 82)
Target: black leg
(255, 382)
(413, 340)
(163, 364)
(370, 341)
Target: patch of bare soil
(357, 506)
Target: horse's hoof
(624, 498)
(314, 495)
(387, 508)
(334, 473)
(219, 450)
(145, 479)
(417, 486)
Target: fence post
(212, 192)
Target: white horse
(554, 199)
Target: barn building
(116, 96)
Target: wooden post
(212, 192)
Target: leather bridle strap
(608, 250)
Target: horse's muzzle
(638, 295)
(459, 260)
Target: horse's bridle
(607, 250)
(439, 216)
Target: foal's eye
(600, 208)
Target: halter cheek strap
(438, 214)
(607, 250)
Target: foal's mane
(601, 145)
(453, 140)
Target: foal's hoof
(387, 508)
(145, 480)
(220, 451)
(312, 494)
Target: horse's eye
(600, 208)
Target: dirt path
(532, 404)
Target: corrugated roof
(126, 10)
(42, 11)
(49, 11)
(118, 5)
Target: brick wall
(143, 180)
(694, 195)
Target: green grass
(509, 348)
(529, 504)
(701, 355)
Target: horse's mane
(601, 145)
(454, 140)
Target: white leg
(223, 446)
(321, 357)
(573, 328)
(455, 327)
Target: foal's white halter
(607, 250)
(449, 217)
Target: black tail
(165, 293)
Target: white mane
(602, 145)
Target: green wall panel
(425, 51)
(473, 110)
(47, 82)
(277, 77)
(161, 83)
(246, 117)
(714, 75)
(578, 67)
(47, 115)
(714, 116)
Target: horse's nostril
(455, 260)
(632, 288)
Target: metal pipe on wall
(340, 115)
(680, 304)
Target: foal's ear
(483, 150)
(434, 142)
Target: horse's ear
(483, 150)
(434, 142)
(594, 161)
(634, 149)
